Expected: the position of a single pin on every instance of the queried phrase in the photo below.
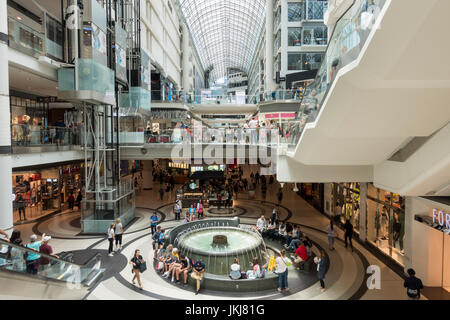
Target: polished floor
(345, 279)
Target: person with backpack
(413, 285)
(139, 265)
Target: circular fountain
(218, 246)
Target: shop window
(296, 11)
(304, 61)
(386, 222)
(316, 9)
(294, 37)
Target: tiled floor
(345, 277)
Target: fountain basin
(218, 257)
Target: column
(270, 83)
(185, 64)
(284, 39)
(6, 214)
(147, 175)
(363, 211)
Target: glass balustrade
(241, 136)
(208, 99)
(349, 37)
(25, 39)
(35, 136)
(19, 259)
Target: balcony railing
(25, 39)
(36, 136)
(237, 136)
(349, 37)
(191, 98)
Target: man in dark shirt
(198, 273)
(184, 268)
(413, 285)
(348, 227)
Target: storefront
(313, 193)
(342, 202)
(386, 222)
(43, 191)
(378, 216)
(428, 240)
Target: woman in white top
(118, 231)
(235, 272)
(282, 231)
(111, 239)
(281, 264)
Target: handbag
(143, 267)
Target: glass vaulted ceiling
(225, 32)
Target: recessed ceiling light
(19, 18)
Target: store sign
(289, 115)
(442, 218)
(272, 115)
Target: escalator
(61, 280)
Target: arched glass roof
(225, 32)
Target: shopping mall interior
(206, 135)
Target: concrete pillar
(284, 38)
(6, 214)
(185, 64)
(147, 175)
(363, 211)
(270, 83)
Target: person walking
(111, 239)
(413, 285)
(177, 209)
(281, 269)
(78, 201)
(71, 201)
(321, 264)
(280, 196)
(161, 193)
(118, 232)
(137, 262)
(154, 222)
(332, 234)
(348, 227)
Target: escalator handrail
(86, 281)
